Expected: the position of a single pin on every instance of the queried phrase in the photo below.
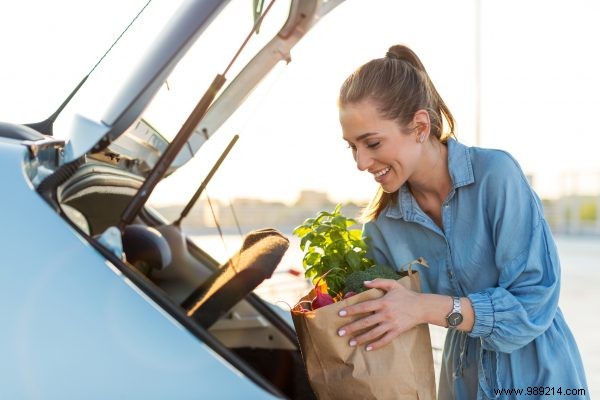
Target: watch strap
(455, 317)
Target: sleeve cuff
(484, 314)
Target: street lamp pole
(478, 72)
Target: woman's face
(380, 146)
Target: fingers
(370, 305)
(384, 340)
(369, 336)
(360, 308)
(379, 320)
(383, 284)
(360, 325)
(377, 337)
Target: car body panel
(74, 327)
(278, 49)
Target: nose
(363, 160)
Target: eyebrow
(364, 136)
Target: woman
(494, 273)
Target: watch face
(455, 319)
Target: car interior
(215, 302)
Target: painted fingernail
(352, 342)
(369, 348)
(342, 313)
(366, 282)
(341, 332)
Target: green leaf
(336, 236)
(312, 258)
(355, 234)
(301, 230)
(323, 228)
(337, 209)
(335, 260)
(351, 222)
(304, 240)
(339, 221)
(367, 262)
(338, 246)
(323, 214)
(325, 261)
(360, 245)
(353, 260)
(310, 272)
(317, 240)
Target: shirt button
(450, 275)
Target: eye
(351, 146)
(373, 145)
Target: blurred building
(312, 199)
(577, 209)
(245, 214)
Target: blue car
(103, 297)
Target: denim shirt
(496, 249)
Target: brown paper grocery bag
(403, 369)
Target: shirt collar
(461, 174)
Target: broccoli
(354, 281)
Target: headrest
(261, 252)
(262, 246)
(145, 248)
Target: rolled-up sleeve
(524, 303)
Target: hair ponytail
(439, 111)
(400, 86)
(401, 52)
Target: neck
(432, 179)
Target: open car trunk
(250, 333)
(100, 174)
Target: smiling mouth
(382, 172)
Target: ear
(422, 122)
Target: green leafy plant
(331, 249)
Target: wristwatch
(455, 317)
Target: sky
(538, 88)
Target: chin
(390, 188)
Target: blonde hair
(399, 86)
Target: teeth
(382, 172)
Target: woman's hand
(396, 312)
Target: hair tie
(392, 56)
